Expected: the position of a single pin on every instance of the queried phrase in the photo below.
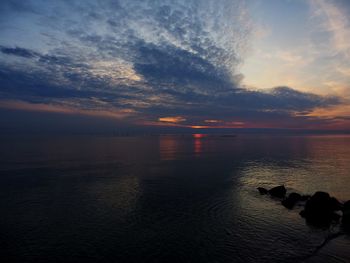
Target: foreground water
(167, 198)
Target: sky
(102, 65)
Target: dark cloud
(298, 101)
(17, 51)
(168, 64)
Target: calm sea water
(171, 198)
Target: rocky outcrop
(320, 209)
(305, 197)
(346, 216)
(291, 200)
(278, 191)
(262, 190)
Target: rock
(278, 191)
(336, 216)
(305, 197)
(318, 202)
(262, 190)
(346, 216)
(291, 200)
(335, 204)
(346, 205)
(319, 209)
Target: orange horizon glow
(200, 127)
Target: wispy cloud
(336, 22)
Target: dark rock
(335, 204)
(346, 205)
(335, 216)
(318, 202)
(262, 190)
(346, 216)
(291, 200)
(278, 191)
(305, 197)
(319, 209)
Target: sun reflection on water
(198, 143)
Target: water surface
(171, 198)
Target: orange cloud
(175, 119)
(341, 111)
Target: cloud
(175, 119)
(66, 109)
(17, 51)
(190, 95)
(148, 62)
(336, 22)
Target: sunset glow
(175, 131)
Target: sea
(168, 198)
